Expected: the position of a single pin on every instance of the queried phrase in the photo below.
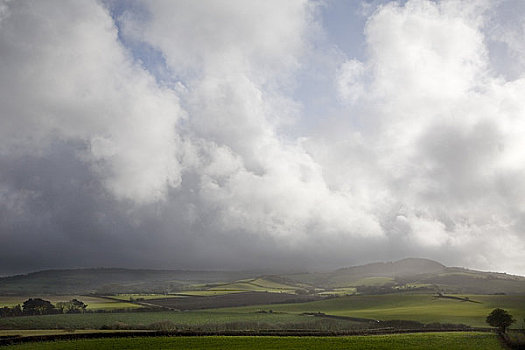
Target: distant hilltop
(404, 267)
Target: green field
(93, 303)
(128, 297)
(459, 341)
(193, 319)
(371, 281)
(40, 332)
(404, 306)
(207, 293)
(340, 291)
(255, 285)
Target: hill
(413, 274)
(410, 274)
(112, 280)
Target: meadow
(255, 285)
(142, 320)
(430, 341)
(424, 308)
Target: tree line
(38, 306)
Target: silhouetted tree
(500, 318)
(11, 311)
(71, 307)
(78, 305)
(37, 306)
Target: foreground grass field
(405, 306)
(459, 341)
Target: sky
(261, 135)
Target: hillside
(413, 274)
(111, 280)
(377, 278)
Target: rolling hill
(412, 274)
(415, 273)
(112, 280)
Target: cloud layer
(190, 159)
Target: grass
(207, 293)
(40, 332)
(272, 285)
(340, 291)
(430, 341)
(94, 303)
(255, 285)
(127, 297)
(401, 306)
(181, 319)
(371, 281)
(407, 306)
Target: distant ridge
(111, 280)
(403, 267)
(380, 277)
(414, 274)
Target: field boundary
(10, 340)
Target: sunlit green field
(256, 285)
(93, 303)
(418, 307)
(340, 291)
(459, 341)
(128, 297)
(207, 293)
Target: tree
(11, 311)
(37, 306)
(78, 305)
(501, 319)
(71, 307)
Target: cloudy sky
(261, 134)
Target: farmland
(228, 300)
(459, 341)
(370, 298)
(193, 319)
(405, 306)
(424, 308)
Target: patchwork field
(405, 306)
(424, 308)
(430, 341)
